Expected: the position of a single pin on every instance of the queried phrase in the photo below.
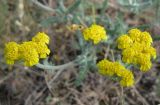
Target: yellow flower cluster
(29, 52)
(95, 33)
(106, 67)
(136, 48)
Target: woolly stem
(49, 67)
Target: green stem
(94, 14)
(122, 96)
(49, 67)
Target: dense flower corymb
(106, 67)
(136, 48)
(30, 52)
(96, 33)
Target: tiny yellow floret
(95, 33)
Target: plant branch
(43, 6)
(49, 67)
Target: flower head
(146, 38)
(41, 37)
(105, 67)
(42, 50)
(144, 61)
(151, 51)
(96, 33)
(11, 52)
(134, 34)
(124, 41)
(128, 55)
(127, 79)
(28, 53)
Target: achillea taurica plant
(29, 52)
(136, 49)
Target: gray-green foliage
(135, 5)
(64, 14)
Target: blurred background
(20, 20)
